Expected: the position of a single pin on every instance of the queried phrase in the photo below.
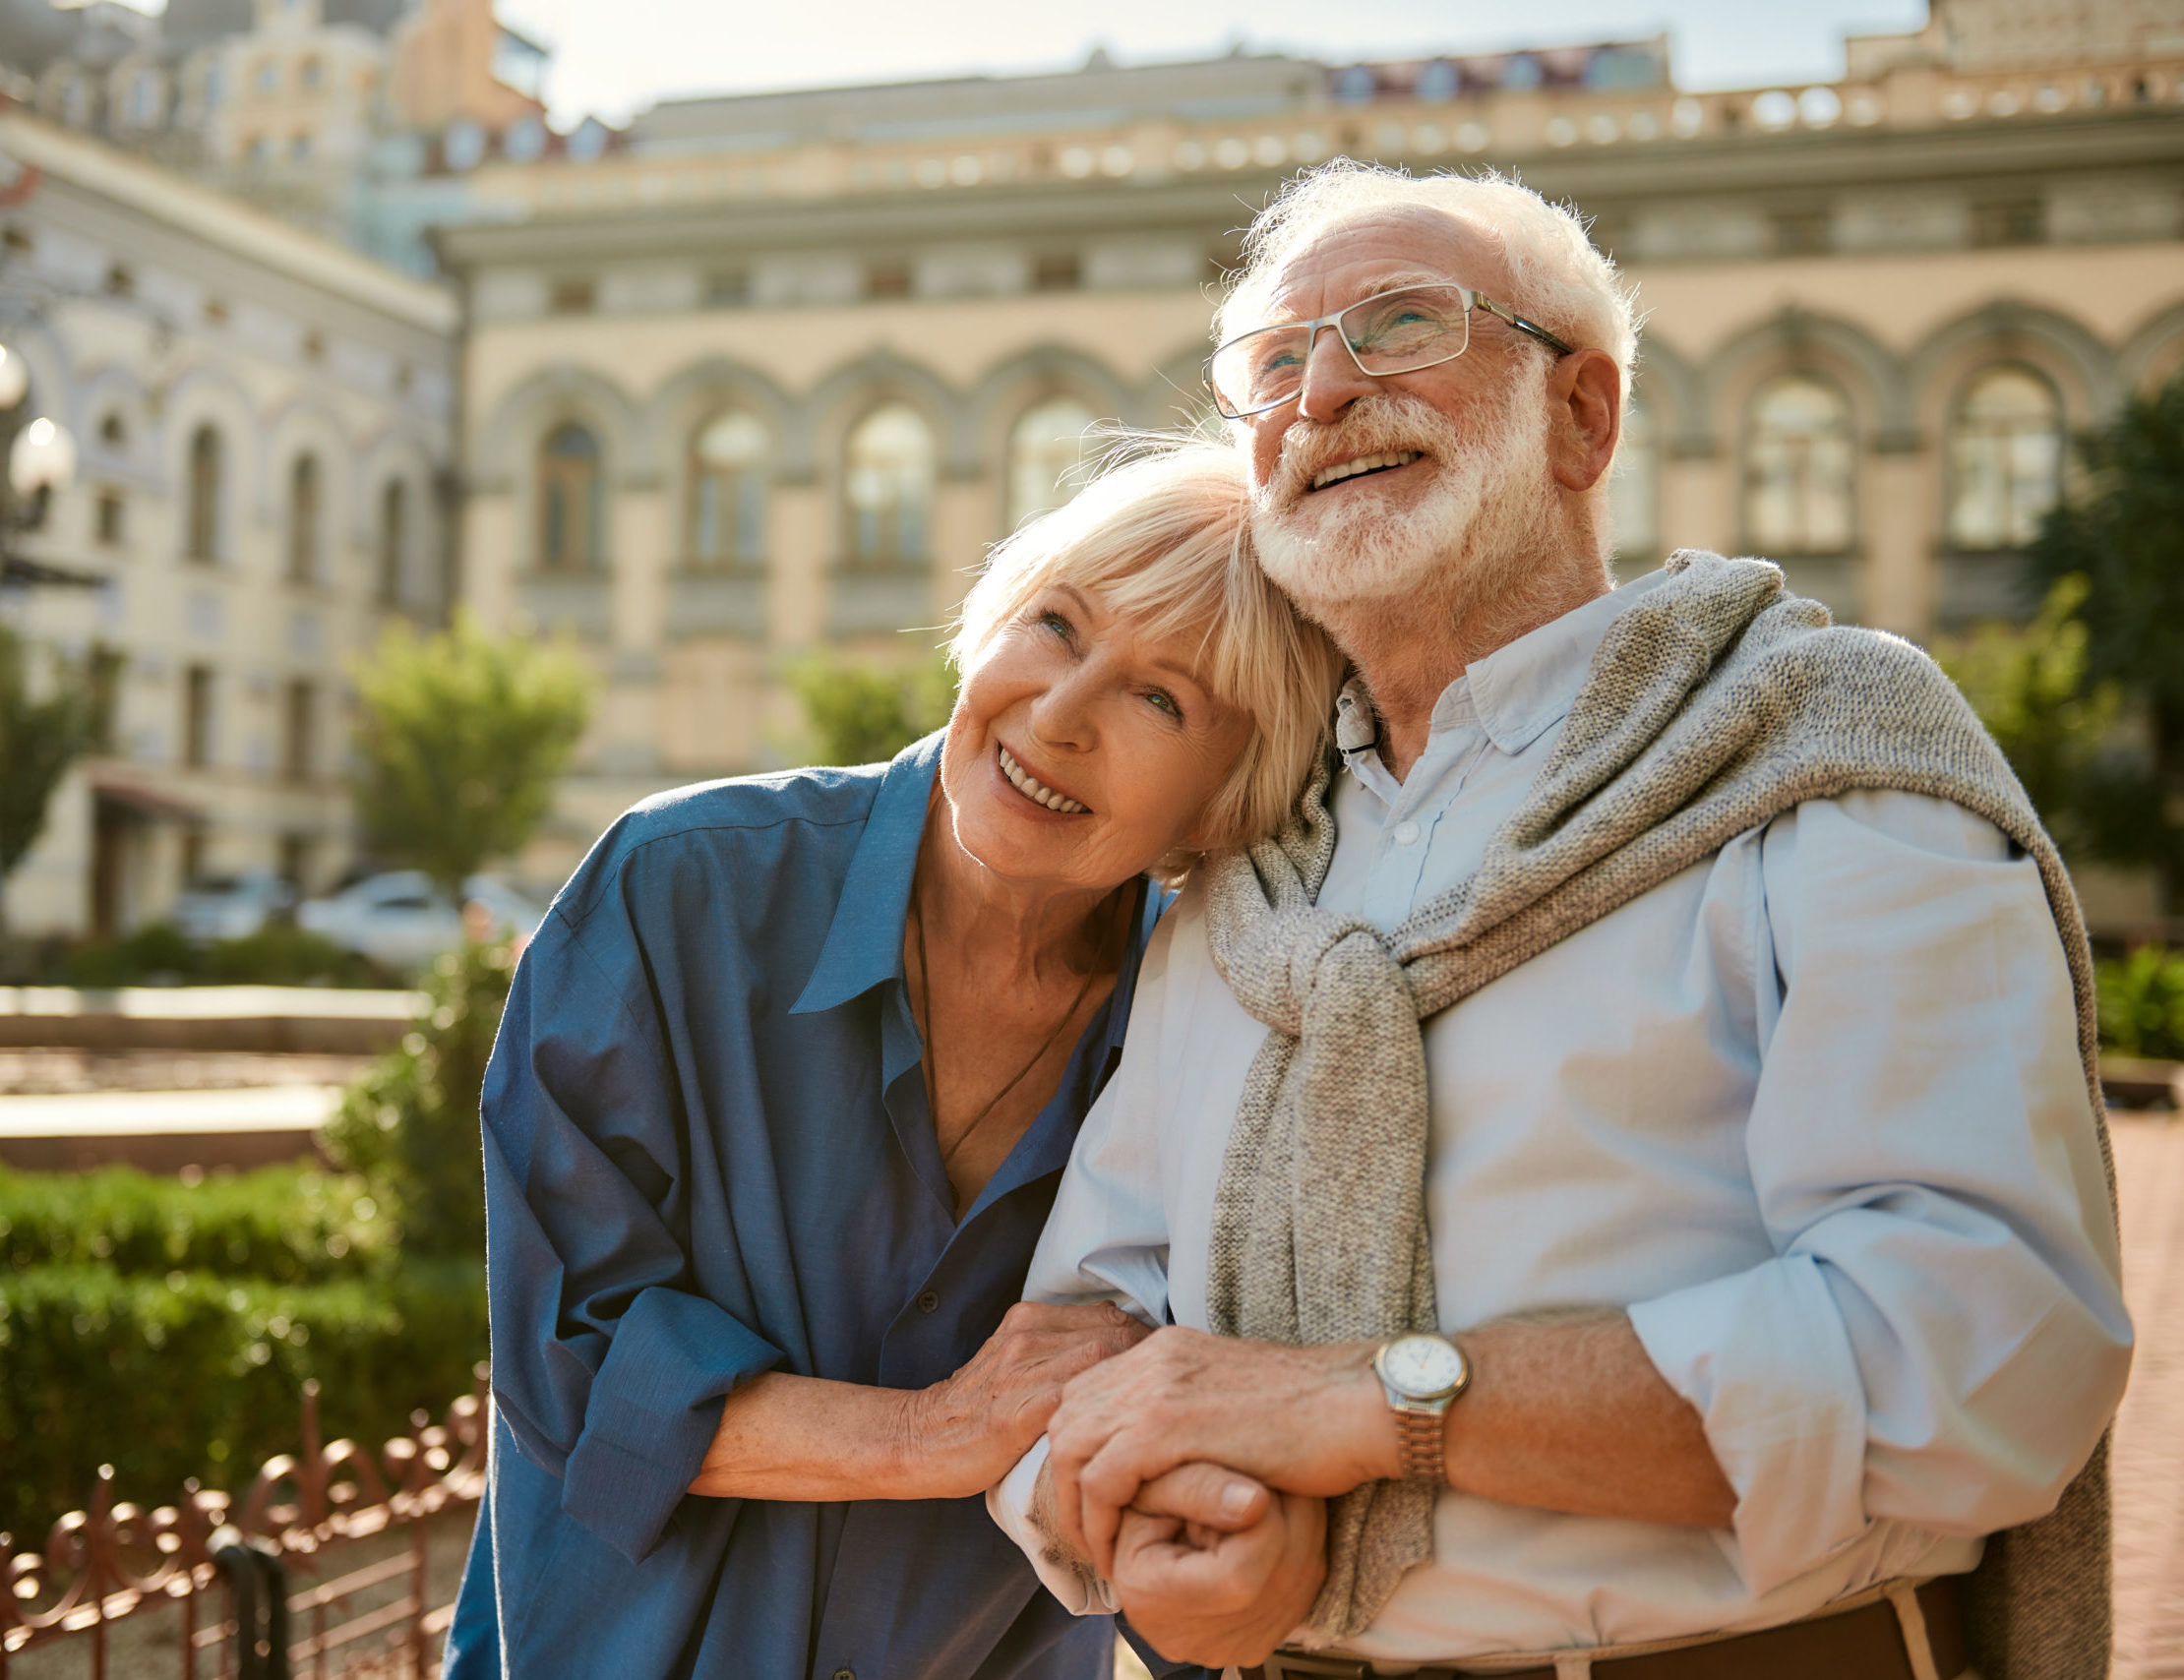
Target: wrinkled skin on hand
(1309, 1420)
(970, 1429)
(1213, 1568)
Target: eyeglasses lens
(1395, 332)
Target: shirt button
(845, 1674)
(1405, 834)
(927, 1302)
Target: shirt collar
(863, 941)
(1518, 692)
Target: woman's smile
(1035, 788)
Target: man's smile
(1361, 465)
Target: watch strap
(1420, 1444)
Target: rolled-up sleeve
(609, 1370)
(1941, 1338)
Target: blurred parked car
(231, 906)
(401, 921)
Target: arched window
(889, 483)
(728, 491)
(1634, 492)
(394, 539)
(303, 520)
(2005, 459)
(571, 514)
(1799, 470)
(1047, 448)
(201, 532)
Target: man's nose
(1333, 381)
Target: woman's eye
(1055, 622)
(1161, 700)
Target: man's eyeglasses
(1397, 331)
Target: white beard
(1486, 520)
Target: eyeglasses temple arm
(1502, 312)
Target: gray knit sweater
(1713, 705)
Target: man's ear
(1584, 402)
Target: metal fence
(273, 1583)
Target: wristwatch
(1422, 1376)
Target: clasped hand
(1212, 1565)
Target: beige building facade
(771, 378)
(263, 421)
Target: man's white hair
(1560, 281)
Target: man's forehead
(1390, 246)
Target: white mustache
(1378, 425)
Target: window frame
(557, 474)
(742, 520)
(304, 554)
(206, 488)
(1748, 482)
(1952, 475)
(888, 548)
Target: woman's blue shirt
(707, 1155)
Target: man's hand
(1300, 1419)
(1202, 1594)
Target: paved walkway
(2150, 1433)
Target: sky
(614, 56)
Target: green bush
(2141, 1003)
(863, 715)
(278, 954)
(195, 1374)
(282, 1224)
(282, 954)
(410, 1124)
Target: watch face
(1420, 1368)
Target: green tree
(2030, 687)
(2120, 533)
(461, 737)
(860, 715)
(45, 726)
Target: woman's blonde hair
(1162, 535)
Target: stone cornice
(1758, 163)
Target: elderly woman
(779, 1103)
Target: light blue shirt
(1811, 1112)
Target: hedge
(2141, 1003)
(193, 1373)
(280, 1224)
(278, 954)
(166, 1327)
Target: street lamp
(41, 460)
(14, 378)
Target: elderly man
(1624, 1171)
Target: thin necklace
(932, 1045)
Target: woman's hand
(962, 1435)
